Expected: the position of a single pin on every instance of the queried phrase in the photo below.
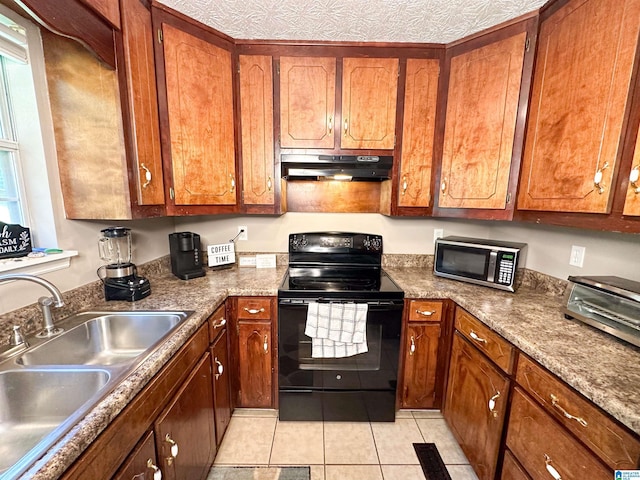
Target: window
(13, 205)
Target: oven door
(315, 382)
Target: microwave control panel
(505, 267)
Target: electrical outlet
(437, 233)
(244, 232)
(577, 256)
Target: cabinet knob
(346, 125)
(597, 179)
(405, 184)
(477, 338)
(550, 468)
(443, 185)
(265, 345)
(412, 348)
(147, 175)
(269, 184)
(330, 124)
(157, 474)
(219, 369)
(233, 182)
(174, 448)
(556, 405)
(634, 176)
(492, 404)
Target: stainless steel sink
(37, 406)
(47, 388)
(106, 339)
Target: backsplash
(86, 296)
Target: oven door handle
(386, 304)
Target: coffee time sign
(222, 254)
(15, 241)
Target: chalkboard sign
(15, 241)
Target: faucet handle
(17, 337)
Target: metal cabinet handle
(552, 471)
(265, 345)
(597, 179)
(425, 313)
(253, 311)
(554, 402)
(269, 184)
(233, 182)
(330, 124)
(492, 404)
(174, 448)
(634, 176)
(221, 323)
(157, 474)
(478, 339)
(405, 184)
(219, 369)
(346, 125)
(147, 175)
(412, 348)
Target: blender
(121, 280)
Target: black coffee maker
(186, 258)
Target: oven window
(463, 261)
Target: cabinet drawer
(511, 470)
(613, 444)
(425, 311)
(254, 308)
(217, 322)
(541, 445)
(501, 352)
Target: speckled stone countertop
(598, 366)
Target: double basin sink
(48, 387)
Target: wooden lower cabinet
(253, 346)
(511, 470)
(142, 463)
(544, 448)
(475, 406)
(420, 365)
(221, 385)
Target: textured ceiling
(437, 21)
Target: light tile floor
(342, 450)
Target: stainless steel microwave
(484, 262)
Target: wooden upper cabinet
(418, 128)
(369, 95)
(307, 102)
(632, 200)
(480, 126)
(199, 92)
(581, 83)
(108, 9)
(256, 116)
(137, 34)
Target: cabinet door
(475, 406)
(137, 35)
(200, 110)
(369, 95)
(418, 128)
(221, 385)
(511, 470)
(482, 107)
(185, 438)
(420, 365)
(307, 102)
(540, 444)
(255, 343)
(109, 9)
(142, 463)
(580, 87)
(256, 114)
(632, 200)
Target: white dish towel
(337, 329)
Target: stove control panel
(297, 242)
(373, 243)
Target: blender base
(128, 288)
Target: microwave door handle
(493, 256)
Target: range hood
(336, 167)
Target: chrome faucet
(45, 303)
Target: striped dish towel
(337, 329)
